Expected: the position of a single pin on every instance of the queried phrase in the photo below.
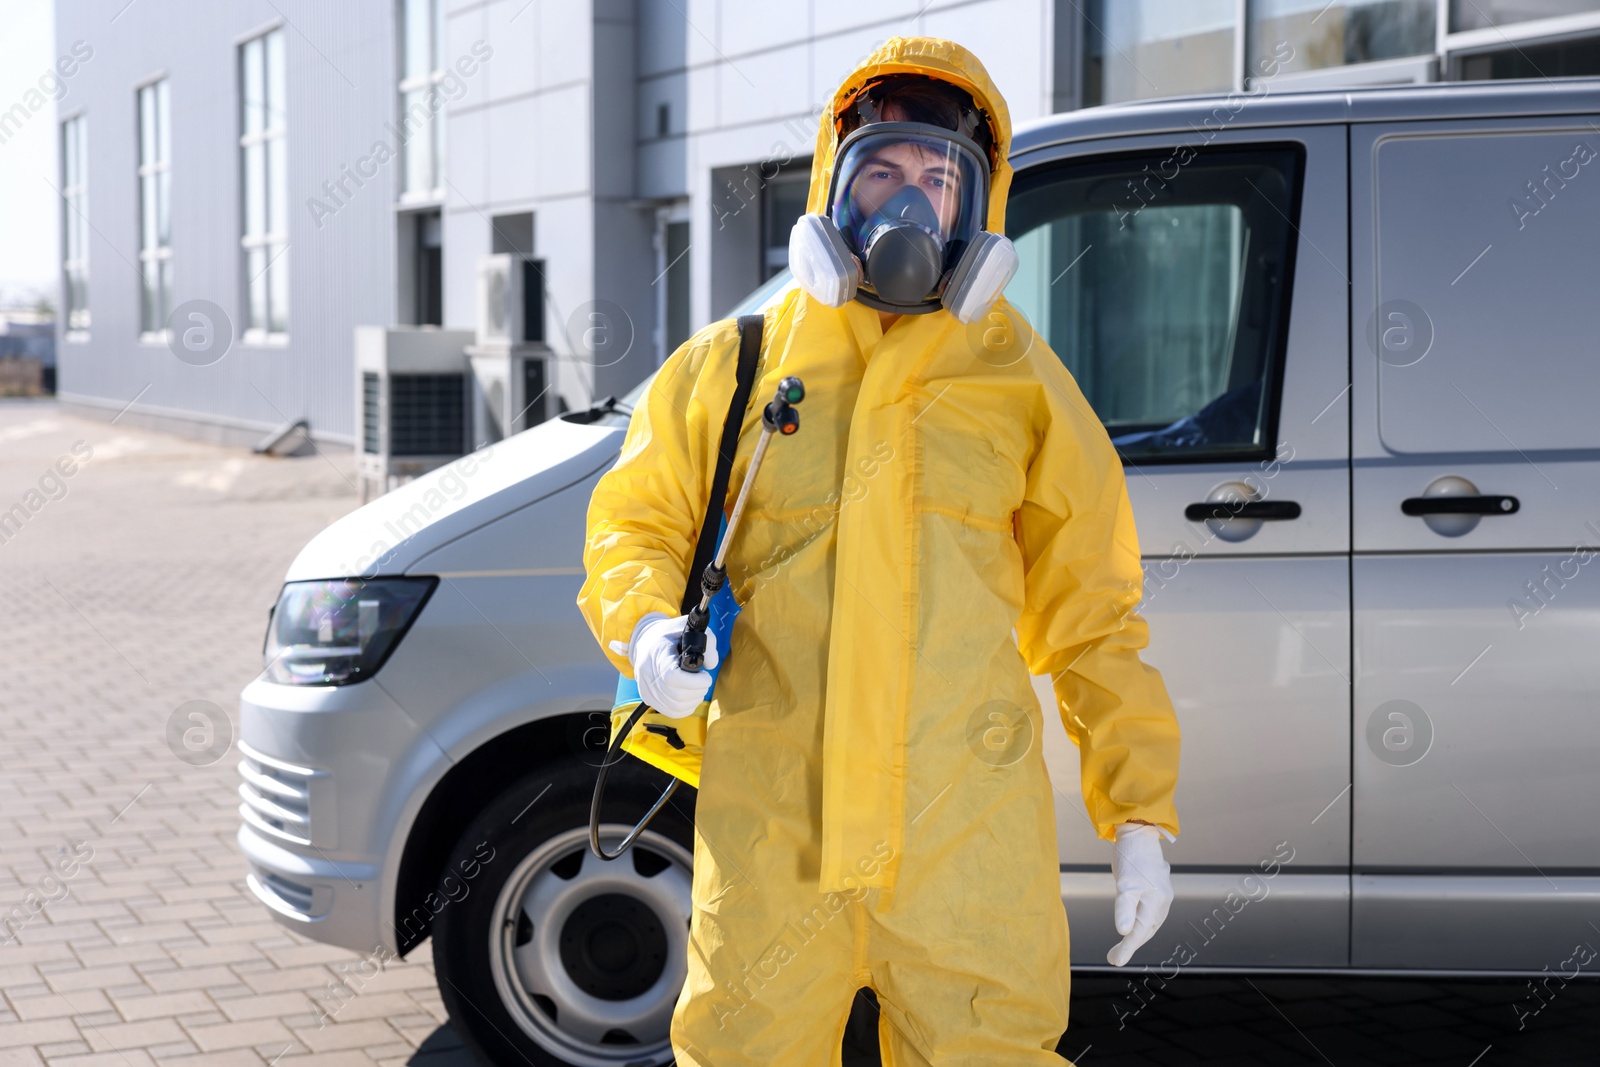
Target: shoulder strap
(750, 327)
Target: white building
(305, 167)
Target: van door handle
(1460, 505)
(1242, 509)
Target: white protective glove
(1144, 888)
(665, 686)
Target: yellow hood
(936, 58)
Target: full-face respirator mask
(904, 229)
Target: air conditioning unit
(510, 360)
(510, 391)
(510, 300)
(413, 402)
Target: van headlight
(339, 631)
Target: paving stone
(172, 979)
(405, 976)
(221, 993)
(412, 1021)
(133, 1057)
(167, 931)
(376, 1006)
(252, 967)
(211, 954)
(55, 1006)
(163, 1005)
(275, 1005)
(276, 981)
(239, 1035)
(125, 1035)
(309, 953)
(45, 933)
(234, 1057)
(91, 978)
(140, 953)
(342, 1058)
(342, 1035)
(40, 1032)
(132, 989)
(29, 989)
(163, 1053)
(167, 912)
(227, 933)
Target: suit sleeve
(646, 511)
(1078, 625)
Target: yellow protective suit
(874, 808)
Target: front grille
(288, 898)
(277, 796)
(293, 893)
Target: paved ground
(145, 584)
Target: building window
(1138, 49)
(264, 167)
(421, 103)
(677, 318)
(1482, 14)
(1573, 58)
(1293, 35)
(783, 201)
(75, 225)
(428, 279)
(155, 214)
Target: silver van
(1346, 343)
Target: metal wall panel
(341, 93)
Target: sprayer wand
(781, 417)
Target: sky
(29, 207)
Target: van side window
(1485, 319)
(1161, 280)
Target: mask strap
(969, 123)
(867, 108)
(868, 112)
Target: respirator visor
(908, 199)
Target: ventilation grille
(427, 414)
(276, 795)
(369, 413)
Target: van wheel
(549, 955)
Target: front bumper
(330, 778)
(302, 893)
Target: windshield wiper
(599, 409)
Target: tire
(546, 954)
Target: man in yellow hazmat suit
(952, 518)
